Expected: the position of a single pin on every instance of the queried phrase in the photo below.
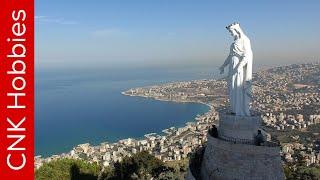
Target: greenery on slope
(139, 166)
(142, 166)
(67, 169)
(302, 172)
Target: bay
(86, 105)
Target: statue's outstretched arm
(226, 62)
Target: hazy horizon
(172, 34)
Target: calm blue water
(79, 106)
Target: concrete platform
(241, 128)
(223, 160)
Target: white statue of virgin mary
(240, 71)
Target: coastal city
(174, 144)
(287, 97)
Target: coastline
(178, 142)
(143, 137)
(167, 100)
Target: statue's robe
(239, 77)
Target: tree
(66, 169)
(293, 172)
(140, 166)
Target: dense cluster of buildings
(291, 89)
(288, 121)
(173, 144)
(297, 152)
(202, 91)
(287, 97)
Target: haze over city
(172, 33)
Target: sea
(75, 106)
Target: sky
(172, 33)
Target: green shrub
(67, 169)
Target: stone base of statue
(233, 153)
(238, 128)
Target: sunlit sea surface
(86, 106)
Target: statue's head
(235, 30)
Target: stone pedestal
(238, 128)
(227, 160)
(232, 155)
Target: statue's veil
(239, 31)
(248, 52)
